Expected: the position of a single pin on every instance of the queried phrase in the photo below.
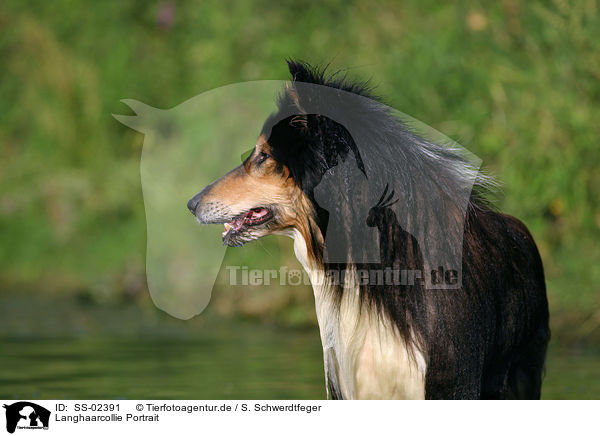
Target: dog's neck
(316, 273)
(329, 319)
(353, 339)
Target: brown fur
(268, 183)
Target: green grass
(517, 83)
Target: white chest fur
(364, 356)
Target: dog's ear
(292, 92)
(301, 71)
(301, 90)
(300, 120)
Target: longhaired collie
(393, 323)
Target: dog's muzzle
(208, 212)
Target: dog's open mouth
(243, 221)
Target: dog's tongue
(254, 214)
(237, 223)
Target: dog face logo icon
(26, 415)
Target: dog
(485, 337)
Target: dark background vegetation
(515, 82)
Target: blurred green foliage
(515, 82)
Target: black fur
(487, 339)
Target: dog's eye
(261, 158)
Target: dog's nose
(193, 204)
(197, 201)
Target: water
(241, 361)
(264, 363)
(572, 373)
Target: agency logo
(26, 415)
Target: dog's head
(272, 190)
(253, 200)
